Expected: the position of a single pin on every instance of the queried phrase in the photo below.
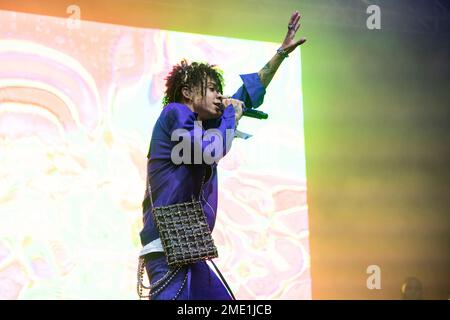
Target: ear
(187, 93)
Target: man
(194, 103)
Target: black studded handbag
(184, 231)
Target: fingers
(293, 17)
(297, 19)
(238, 106)
(234, 102)
(300, 42)
(226, 101)
(238, 111)
(294, 22)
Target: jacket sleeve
(251, 92)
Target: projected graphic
(77, 108)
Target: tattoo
(266, 74)
(266, 67)
(268, 71)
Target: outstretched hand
(289, 44)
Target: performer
(194, 93)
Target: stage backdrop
(77, 108)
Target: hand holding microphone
(238, 106)
(241, 110)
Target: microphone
(252, 113)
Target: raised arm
(289, 44)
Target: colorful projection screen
(77, 108)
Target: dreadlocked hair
(190, 75)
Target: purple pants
(193, 282)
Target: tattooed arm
(289, 44)
(268, 71)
